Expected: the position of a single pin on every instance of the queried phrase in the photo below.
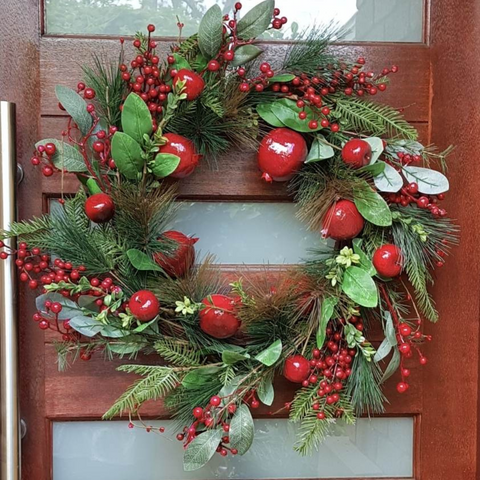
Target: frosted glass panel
(368, 20)
(381, 447)
(247, 232)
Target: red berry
(32, 284)
(281, 153)
(198, 412)
(404, 348)
(387, 260)
(144, 305)
(423, 202)
(50, 149)
(56, 307)
(238, 6)
(296, 369)
(229, 55)
(43, 324)
(178, 262)
(151, 28)
(402, 387)
(98, 146)
(99, 208)
(89, 93)
(47, 171)
(404, 330)
(321, 415)
(183, 148)
(412, 188)
(213, 66)
(342, 221)
(194, 83)
(215, 401)
(357, 153)
(218, 318)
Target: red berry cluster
(43, 156)
(278, 22)
(213, 415)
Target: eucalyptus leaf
(328, 307)
(127, 154)
(358, 285)
(76, 107)
(141, 261)
(210, 32)
(376, 144)
(429, 181)
(88, 302)
(66, 156)
(373, 169)
(372, 206)
(165, 164)
(136, 118)
(287, 112)
(69, 307)
(271, 354)
(392, 366)
(389, 180)
(242, 430)
(87, 326)
(383, 350)
(319, 150)
(265, 391)
(245, 54)
(265, 112)
(229, 357)
(256, 20)
(113, 332)
(201, 449)
(200, 376)
(127, 348)
(283, 77)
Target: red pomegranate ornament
(218, 317)
(281, 153)
(99, 208)
(181, 259)
(357, 153)
(194, 83)
(296, 369)
(183, 148)
(342, 221)
(388, 260)
(144, 305)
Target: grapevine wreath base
(112, 281)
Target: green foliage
(156, 383)
(178, 353)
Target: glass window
(364, 20)
(375, 448)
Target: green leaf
(358, 285)
(230, 357)
(383, 350)
(164, 164)
(210, 32)
(319, 150)
(392, 366)
(372, 206)
(389, 180)
(144, 326)
(429, 181)
(271, 354)
(287, 112)
(66, 156)
(265, 112)
(242, 430)
(126, 348)
(201, 449)
(136, 118)
(256, 20)
(181, 62)
(76, 107)
(365, 261)
(141, 261)
(113, 332)
(376, 145)
(283, 77)
(328, 307)
(200, 376)
(127, 154)
(373, 169)
(87, 326)
(265, 391)
(245, 54)
(92, 186)
(69, 310)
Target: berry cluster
(43, 155)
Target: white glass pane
(366, 20)
(381, 447)
(250, 233)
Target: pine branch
(178, 353)
(371, 118)
(302, 402)
(157, 383)
(28, 230)
(311, 433)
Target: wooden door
(437, 80)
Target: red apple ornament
(180, 260)
(218, 318)
(99, 208)
(194, 83)
(144, 305)
(296, 369)
(387, 260)
(357, 153)
(342, 221)
(281, 153)
(183, 148)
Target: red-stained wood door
(437, 80)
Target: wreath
(114, 282)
